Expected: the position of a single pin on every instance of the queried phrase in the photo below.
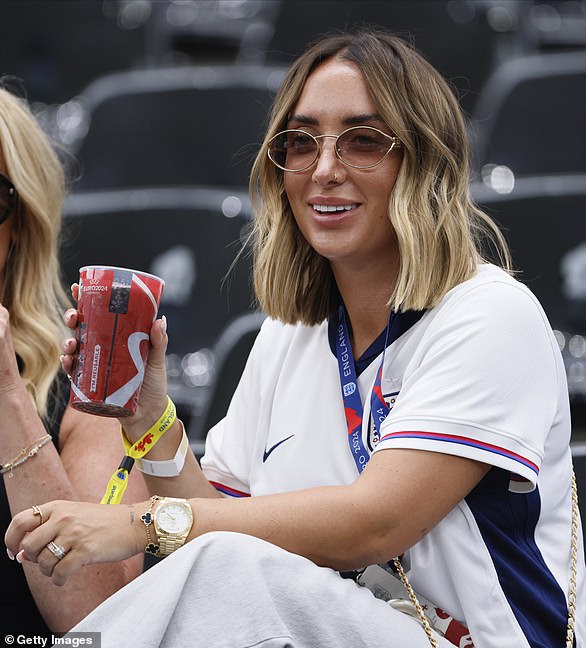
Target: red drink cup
(116, 309)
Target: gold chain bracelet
(24, 455)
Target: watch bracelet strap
(169, 544)
(168, 467)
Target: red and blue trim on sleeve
(227, 490)
(474, 443)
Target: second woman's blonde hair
(440, 231)
(33, 293)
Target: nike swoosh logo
(266, 453)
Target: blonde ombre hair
(33, 293)
(442, 234)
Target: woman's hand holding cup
(153, 392)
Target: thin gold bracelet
(24, 455)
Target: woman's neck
(366, 301)
(365, 323)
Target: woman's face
(335, 97)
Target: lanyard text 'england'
(353, 408)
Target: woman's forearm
(75, 474)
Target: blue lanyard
(353, 408)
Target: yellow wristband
(148, 440)
(119, 480)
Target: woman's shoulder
(495, 289)
(276, 338)
(493, 305)
(279, 330)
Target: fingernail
(164, 325)
(20, 556)
(10, 554)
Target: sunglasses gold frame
(395, 143)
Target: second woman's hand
(85, 533)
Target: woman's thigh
(229, 590)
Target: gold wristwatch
(173, 520)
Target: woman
(403, 412)
(47, 450)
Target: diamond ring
(57, 550)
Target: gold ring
(57, 550)
(37, 511)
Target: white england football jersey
(478, 376)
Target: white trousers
(229, 590)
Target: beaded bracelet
(24, 455)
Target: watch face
(173, 517)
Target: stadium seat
(529, 116)
(182, 125)
(231, 352)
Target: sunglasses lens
(363, 147)
(7, 198)
(293, 150)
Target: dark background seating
(544, 221)
(231, 351)
(579, 456)
(196, 124)
(530, 115)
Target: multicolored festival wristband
(119, 480)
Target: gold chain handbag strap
(415, 601)
(571, 593)
(573, 565)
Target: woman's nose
(328, 168)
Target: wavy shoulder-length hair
(441, 233)
(33, 293)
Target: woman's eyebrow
(303, 119)
(347, 121)
(361, 119)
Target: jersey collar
(402, 322)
